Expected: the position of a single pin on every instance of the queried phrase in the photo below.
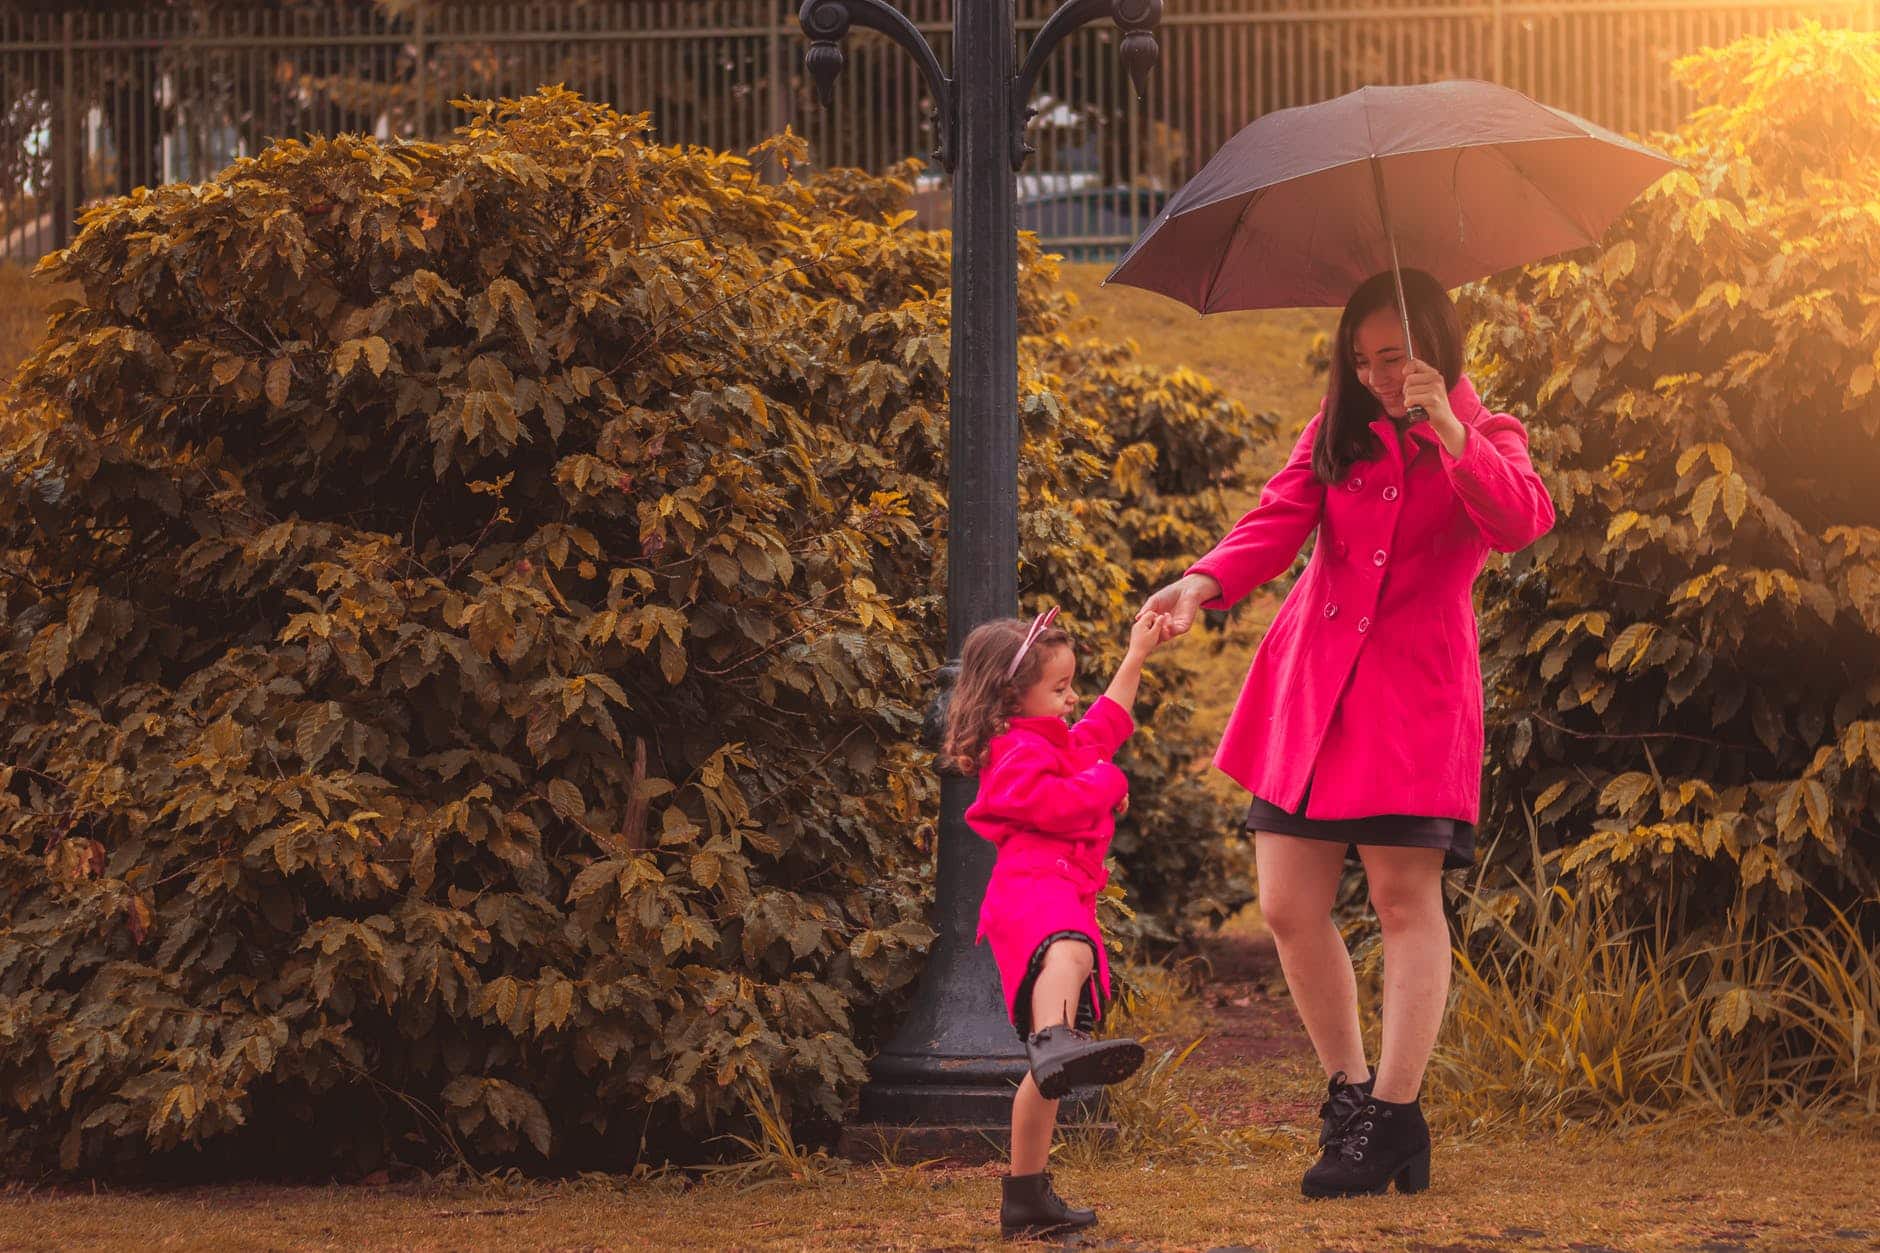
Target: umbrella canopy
(1465, 178)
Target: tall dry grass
(1561, 1016)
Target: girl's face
(1052, 695)
(1377, 356)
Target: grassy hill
(23, 305)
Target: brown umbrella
(1462, 179)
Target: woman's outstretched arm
(1261, 546)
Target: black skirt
(1454, 837)
(1089, 1000)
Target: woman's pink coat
(1047, 799)
(1368, 685)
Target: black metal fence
(98, 103)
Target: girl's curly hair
(983, 701)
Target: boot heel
(1415, 1174)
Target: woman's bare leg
(1298, 883)
(1407, 893)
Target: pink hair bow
(1039, 625)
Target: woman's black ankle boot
(1342, 1100)
(1031, 1207)
(1383, 1143)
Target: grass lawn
(1248, 1095)
(1668, 1191)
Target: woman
(1361, 721)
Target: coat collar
(1050, 729)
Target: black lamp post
(956, 1059)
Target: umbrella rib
(1546, 195)
(1220, 262)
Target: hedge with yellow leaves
(1686, 673)
(468, 611)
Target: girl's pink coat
(1047, 797)
(1368, 685)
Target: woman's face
(1377, 356)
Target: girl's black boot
(1383, 1143)
(1031, 1207)
(1063, 1058)
(1342, 1100)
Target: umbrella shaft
(1396, 268)
(1418, 413)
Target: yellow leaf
(1705, 498)
(1625, 791)
(1730, 1014)
(1820, 810)
(378, 354)
(1620, 259)
(566, 798)
(1853, 741)
(1585, 382)
(280, 375)
(1735, 496)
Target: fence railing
(98, 103)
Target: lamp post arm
(1137, 19)
(827, 22)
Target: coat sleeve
(1028, 786)
(1264, 543)
(1104, 727)
(1499, 488)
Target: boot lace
(1354, 1137)
(1345, 1100)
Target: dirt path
(1252, 1031)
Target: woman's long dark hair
(1346, 437)
(983, 700)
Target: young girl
(1049, 796)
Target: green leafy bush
(468, 609)
(1686, 673)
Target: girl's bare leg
(1054, 995)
